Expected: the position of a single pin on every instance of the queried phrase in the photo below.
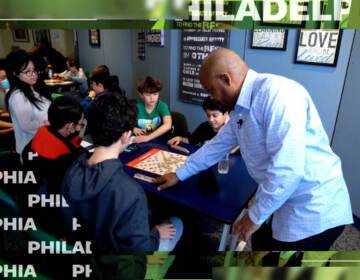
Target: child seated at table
(74, 73)
(111, 206)
(154, 118)
(217, 116)
(100, 83)
(50, 153)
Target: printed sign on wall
(195, 46)
(155, 38)
(269, 39)
(318, 46)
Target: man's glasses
(29, 73)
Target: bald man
(302, 193)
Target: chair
(179, 125)
(88, 76)
(56, 95)
(83, 129)
(7, 139)
(2, 101)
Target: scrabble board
(158, 162)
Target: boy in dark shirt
(110, 206)
(55, 147)
(50, 153)
(217, 116)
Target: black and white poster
(155, 38)
(195, 46)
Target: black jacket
(55, 154)
(110, 206)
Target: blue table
(224, 205)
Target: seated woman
(74, 73)
(28, 99)
(154, 118)
(217, 116)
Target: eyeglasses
(29, 73)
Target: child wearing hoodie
(110, 206)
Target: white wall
(115, 51)
(347, 133)
(7, 41)
(62, 40)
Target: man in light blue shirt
(286, 151)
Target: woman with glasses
(28, 99)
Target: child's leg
(169, 244)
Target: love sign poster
(318, 46)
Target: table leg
(235, 238)
(226, 230)
(233, 242)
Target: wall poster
(195, 46)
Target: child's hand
(92, 94)
(175, 141)
(166, 231)
(141, 139)
(138, 131)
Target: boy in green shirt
(154, 118)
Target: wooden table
(58, 85)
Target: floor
(349, 240)
(198, 259)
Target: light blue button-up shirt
(287, 152)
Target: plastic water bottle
(50, 72)
(223, 165)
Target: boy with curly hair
(110, 206)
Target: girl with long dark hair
(28, 99)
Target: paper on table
(143, 177)
(88, 146)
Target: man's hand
(245, 228)
(168, 179)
